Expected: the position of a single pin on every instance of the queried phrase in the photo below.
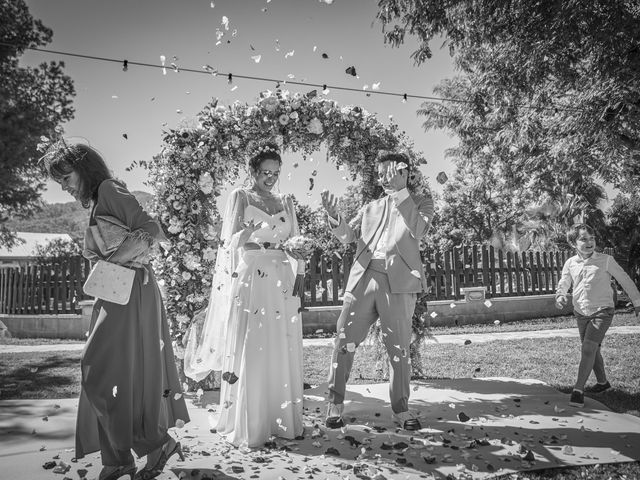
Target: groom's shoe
(407, 420)
(334, 416)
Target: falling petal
(114, 391)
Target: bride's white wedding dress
(261, 355)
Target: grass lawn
(623, 317)
(553, 360)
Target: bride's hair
(265, 151)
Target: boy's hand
(561, 302)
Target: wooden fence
(57, 288)
(43, 289)
(501, 273)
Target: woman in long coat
(130, 393)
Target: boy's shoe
(577, 399)
(407, 420)
(599, 387)
(334, 416)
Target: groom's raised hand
(330, 204)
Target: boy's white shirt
(591, 280)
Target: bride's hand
(248, 230)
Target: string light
(230, 76)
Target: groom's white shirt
(391, 228)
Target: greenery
(197, 161)
(542, 117)
(34, 102)
(56, 250)
(625, 230)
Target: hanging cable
(207, 70)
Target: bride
(252, 330)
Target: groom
(384, 281)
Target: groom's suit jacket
(409, 219)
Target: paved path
(459, 339)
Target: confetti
(256, 58)
(351, 71)
(442, 178)
(488, 303)
(114, 391)
(229, 377)
(433, 315)
(289, 54)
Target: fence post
(501, 272)
(510, 274)
(335, 277)
(492, 271)
(437, 260)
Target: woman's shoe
(113, 473)
(168, 451)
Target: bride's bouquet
(299, 246)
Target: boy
(590, 273)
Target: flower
(315, 126)
(270, 104)
(191, 262)
(300, 246)
(209, 254)
(283, 119)
(205, 182)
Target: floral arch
(196, 163)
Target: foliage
(197, 162)
(33, 102)
(624, 222)
(478, 203)
(555, 114)
(56, 250)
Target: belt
(378, 265)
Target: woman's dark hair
(63, 159)
(266, 151)
(574, 232)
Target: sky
(142, 102)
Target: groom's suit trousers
(372, 299)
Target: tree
(624, 221)
(34, 102)
(477, 204)
(57, 250)
(556, 85)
